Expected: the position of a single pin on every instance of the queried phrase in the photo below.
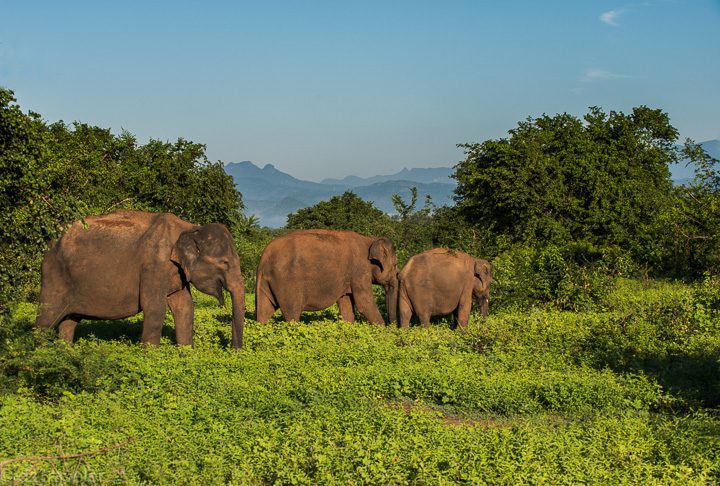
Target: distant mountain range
(271, 194)
(427, 176)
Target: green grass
(626, 395)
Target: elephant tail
(262, 289)
(403, 296)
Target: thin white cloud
(611, 17)
(597, 74)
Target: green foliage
(345, 212)
(35, 197)
(576, 276)
(417, 230)
(53, 174)
(413, 227)
(692, 225)
(178, 178)
(603, 179)
(625, 395)
(251, 241)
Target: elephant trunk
(391, 298)
(484, 302)
(237, 293)
(482, 299)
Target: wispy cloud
(611, 16)
(597, 74)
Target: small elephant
(440, 281)
(309, 270)
(117, 265)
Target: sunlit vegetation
(627, 394)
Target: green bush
(577, 276)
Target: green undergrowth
(627, 394)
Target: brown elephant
(117, 265)
(440, 281)
(309, 270)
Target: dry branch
(63, 457)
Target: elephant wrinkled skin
(309, 270)
(117, 265)
(440, 281)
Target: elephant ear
(186, 252)
(379, 252)
(483, 271)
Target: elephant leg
(424, 317)
(181, 306)
(462, 314)
(66, 329)
(365, 302)
(153, 324)
(153, 302)
(291, 314)
(264, 308)
(345, 305)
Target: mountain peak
(422, 175)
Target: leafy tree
(35, 196)
(693, 223)
(603, 179)
(345, 212)
(53, 174)
(449, 229)
(177, 177)
(414, 226)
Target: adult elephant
(309, 270)
(117, 265)
(440, 281)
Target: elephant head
(385, 272)
(210, 262)
(481, 284)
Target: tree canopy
(602, 179)
(52, 174)
(345, 212)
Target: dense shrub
(577, 276)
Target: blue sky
(331, 88)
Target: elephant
(119, 264)
(440, 281)
(309, 270)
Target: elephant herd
(117, 265)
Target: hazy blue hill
(712, 147)
(381, 192)
(271, 194)
(424, 175)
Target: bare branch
(63, 457)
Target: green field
(628, 394)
